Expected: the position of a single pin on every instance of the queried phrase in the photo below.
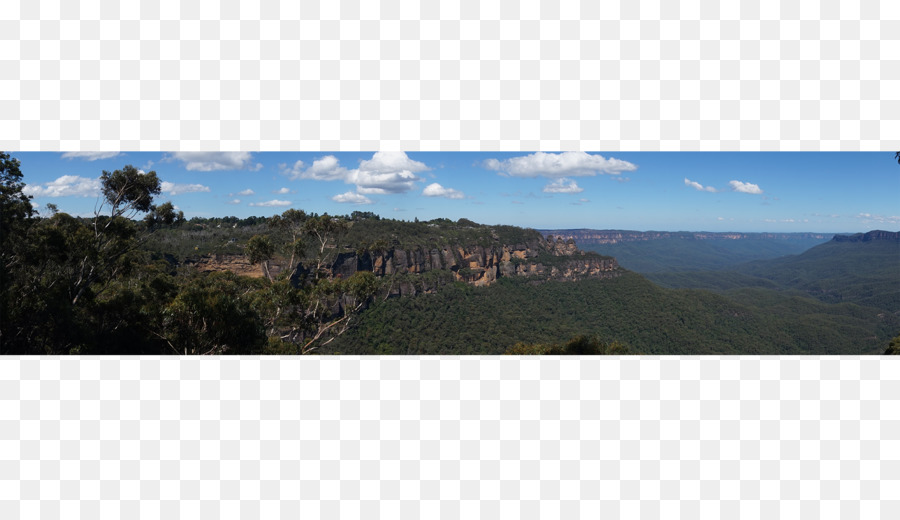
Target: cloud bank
(351, 198)
(214, 161)
(384, 173)
(271, 203)
(557, 165)
(893, 219)
(90, 156)
(178, 189)
(65, 186)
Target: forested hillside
(628, 310)
(864, 269)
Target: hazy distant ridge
(869, 237)
(613, 236)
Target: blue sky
(668, 191)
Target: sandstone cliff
(237, 264)
(540, 259)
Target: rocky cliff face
(237, 264)
(541, 259)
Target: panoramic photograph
(449, 253)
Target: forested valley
(138, 278)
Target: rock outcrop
(541, 259)
(237, 264)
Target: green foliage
(278, 347)
(15, 206)
(364, 215)
(72, 293)
(211, 315)
(129, 190)
(164, 215)
(894, 347)
(462, 320)
(259, 249)
(198, 237)
(16, 214)
(436, 233)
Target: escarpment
(423, 269)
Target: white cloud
(386, 162)
(745, 187)
(698, 186)
(282, 191)
(327, 168)
(351, 198)
(436, 190)
(247, 192)
(294, 171)
(382, 183)
(178, 189)
(90, 156)
(212, 161)
(65, 186)
(563, 185)
(271, 203)
(553, 165)
(385, 172)
(583, 200)
(234, 202)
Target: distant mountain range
(869, 237)
(862, 269)
(586, 237)
(661, 251)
